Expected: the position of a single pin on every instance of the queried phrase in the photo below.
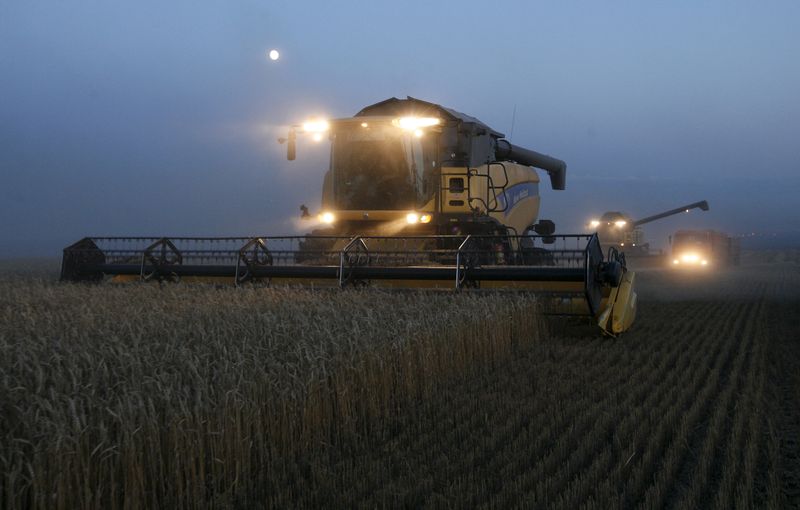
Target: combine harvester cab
(416, 195)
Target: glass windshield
(378, 168)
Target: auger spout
(556, 168)
(702, 205)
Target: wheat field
(193, 396)
(170, 396)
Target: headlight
(676, 261)
(316, 126)
(594, 223)
(413, 123)
(704, 262)
(690, 258)
(620, 223)
(327, 217)
(412, 217)
(425, 218)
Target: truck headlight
(412, 218)
(327, 217)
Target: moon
(274, 55)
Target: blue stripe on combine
(516, 193)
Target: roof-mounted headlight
(415, 123)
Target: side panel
(520, 199)
(455, 190)
(508, 192)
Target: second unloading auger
(416, 195)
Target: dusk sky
(161, 118)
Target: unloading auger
(416, 196)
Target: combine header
(417, 196)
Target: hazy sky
(161, 118)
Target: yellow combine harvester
(417, 195)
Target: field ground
(231, 398)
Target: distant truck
(703, 248)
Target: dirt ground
(769, 281)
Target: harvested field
(181, 396)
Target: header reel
(571, 275)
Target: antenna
(513, 119)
